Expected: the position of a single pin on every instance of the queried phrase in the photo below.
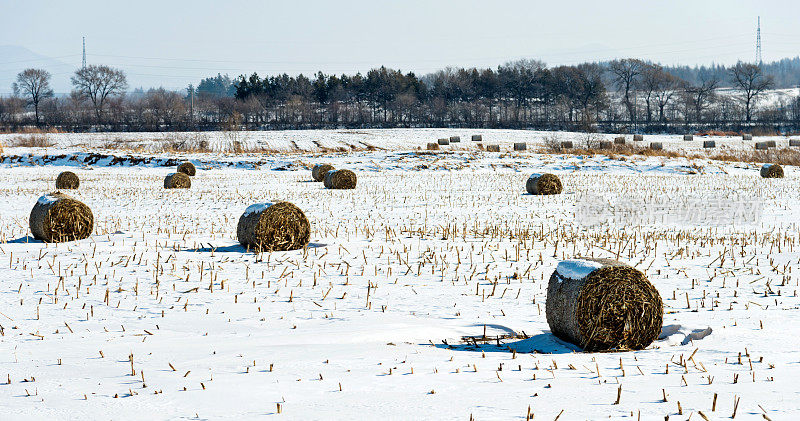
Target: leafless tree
(98, 83)
(699, 96)
(750, 79)
(34, 85)
(627, 74)
(659, 87)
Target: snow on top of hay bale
(258, 207)
(577, 268)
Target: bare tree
(34, 84)
(659, 87)
(750, 79)
(98, 83)
(699, 96)
(626, 74)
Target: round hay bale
(656, 146)
(567, 144)
(455, 139)
(340, 179)
(794, 142)
(477, 138)
(619, 140)
(319, 170)
(67, 180)
(638, 138)
(493, 148)
(709, 144)
(747, 136)
(761, 146)
(605, 144)
(771, 171)
(771, 144)
(433, 146)
(520, 146)
(187, 168)
(688, 137)
(177, 180)
(268, 227)
(443, 142)
(603, 304)
(57, 218)
(543, 184)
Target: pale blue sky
(174, 43)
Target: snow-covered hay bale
(268, 227)
(656, 146)
(771, 171)
(688, 137)
(794, 142)
(761, 146)
(604, 144)
(433, 146)
(57, 218)
(477, 138)
(443, 142)
(493, 148)
(603, 304)
(67, 180)
(177, 180)
(455, 139)
(187, 168)
(540, 184)
(567, 144)
(520, 146)
(747, 136)
(340, 179)
(619, 140)
(319, 170)
(708, 144)
(638, 138)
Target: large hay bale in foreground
(603, 304)
(656, 146)
(540, 184)
(619, 140)
(432, 146)
(67, 180)
(771, 171)
(709, 144)
(520, 146)
(187, 168)
(455, 139)
(477, 138)
(567, 144)
(340, 179)
(177, 180)
(268, 227)
(319, 171)
(688, 137)
(493, 148)
(761, 146)
(747, 136)
(638, 138)
(794, 142)
(443, 142)
(56, 218)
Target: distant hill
(14, 59)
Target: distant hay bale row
(603, 304)
(708, 144)
(747, 136)
(67, 180)
(187, 168)
(656, 146)
(177, 180)
(688, 137)
(319, 171)
(520, 146)
(443, 142)
(493, 148)
(771, 171)
(340, 180)
(57, 218)
(477, 138)
(432, 146)
(638, 138)
(273, 227)
(543, 184)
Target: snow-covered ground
(161, 314)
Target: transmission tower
(758, 43)
(83, 65)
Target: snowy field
(162, 315)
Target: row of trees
(626, 94)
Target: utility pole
(83, 65)
(758, 43)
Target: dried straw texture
(614, 307)
(520, 146)
(340, 179)
(619, 140)
(567, 144)
(604, 144)
(67, 180)
(544, 184)
(274, 227)
(433, 146)
(493, 148)
(319, 170)
(56, 218)
(177, 180)
(772, 171)
(656, 146)
(187, 168)
(638, 138)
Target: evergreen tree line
(620, 95)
